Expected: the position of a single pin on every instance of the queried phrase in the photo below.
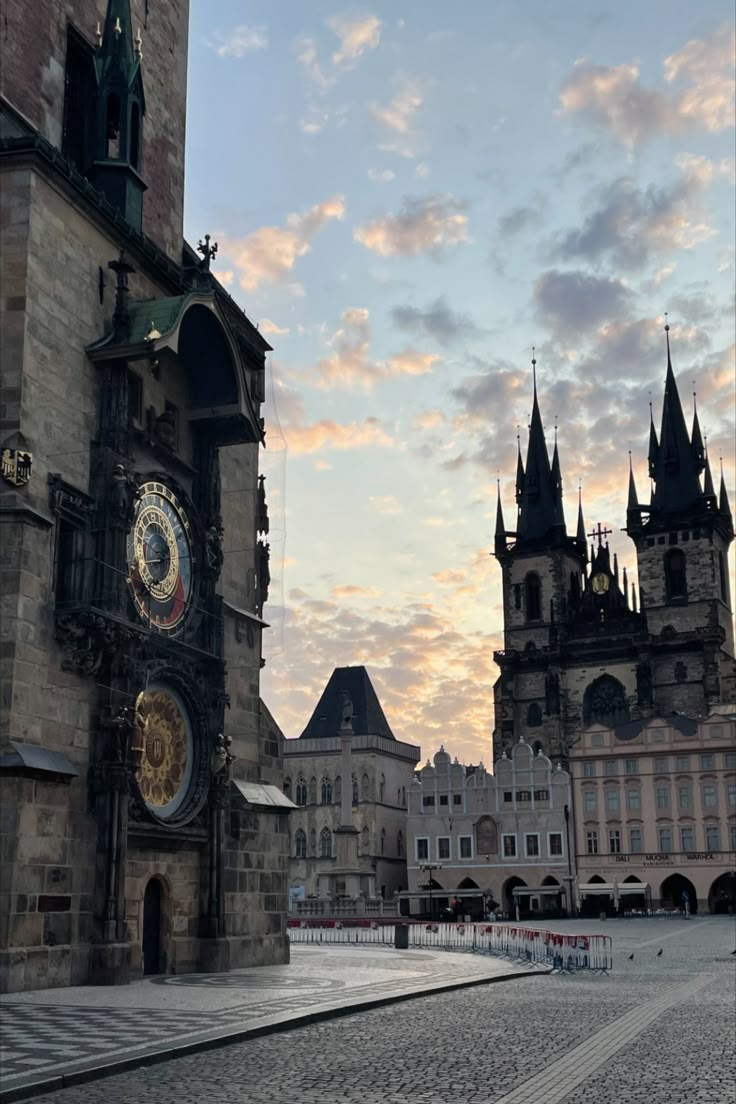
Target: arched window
(135, 135)
(383, 840)
(112, 121)
(400, 844)
(312, 791)
(533, 589)
(486, 836)
(325, 843)
(365, 787)
(723, 577)
(381, 788)
(326, 791)
(675, 575)
(364, 842)
(605, 702)
(300, 844)
(301, 791)
(287, 787)
(355, 790)
(534, 716)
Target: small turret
(580, 533)
(633, 510)
(119, 114)
(724, 507)
(696, 440)
(500, 538)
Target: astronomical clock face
(167, 750)
(159, 558)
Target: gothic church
(578, 646)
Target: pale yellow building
(655, 814)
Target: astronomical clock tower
(142, 828)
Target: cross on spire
(600, 533)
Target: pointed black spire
(709, 490)
(677, 487)
(724, 507)
(500, 536)
(633, 512)
(538, 515)
(696, 439)
(653, 445)
(580, 532)
(519, 471)
(625, 587)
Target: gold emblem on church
(16, 465)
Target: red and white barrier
(521, 944)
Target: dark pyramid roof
(676, 483)
(633, 503)
(696, 443)
(540, 508)
(708, 489)
(368, 716)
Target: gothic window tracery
(300, 844)
(605, 702)
(301, 791)
(326, 791)
(325, 843)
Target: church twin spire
(676, 461)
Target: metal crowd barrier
(520, 944)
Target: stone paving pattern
(479, 1046)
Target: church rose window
(605, 702)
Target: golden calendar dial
(166, 749)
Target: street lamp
(428, 868)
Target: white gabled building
(490, 840)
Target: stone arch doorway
(153, 908)
(722, 894)
(673, 888)
(509, 901)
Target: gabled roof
(368, 716)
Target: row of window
(688, 839)
(663, 797)
(326, 843)
(530, 841)
(662, 764)
(327, 794)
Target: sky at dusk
(408, 197)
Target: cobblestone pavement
(660, 1028)
(59, 1032)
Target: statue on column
(346, 717)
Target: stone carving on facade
(222, 758)
(164, 430)
(262, 522)
(124, 494)
(263, 574)
(87, 638)
(214, 555)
